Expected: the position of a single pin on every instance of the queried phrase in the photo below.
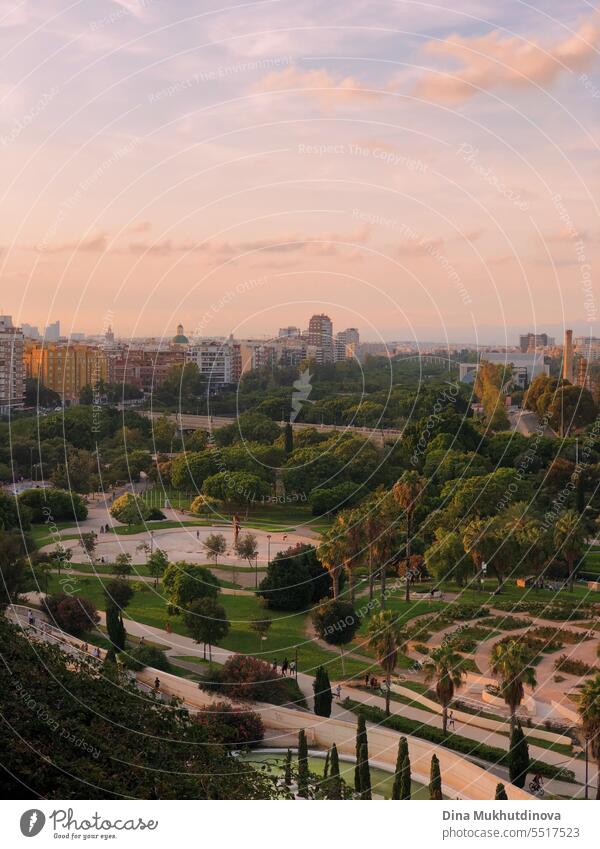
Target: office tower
(52, 332)
(568, 356)
(12, 371)
(30, 331)
(320, 335)
(291, 331)
(346, 344)
(531, 341)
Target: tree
(73, 614)
(202, 505)
(13, 564)
(518, 756)
(247, 547)
(261, 626)
(446, 558)
(510, 663)
(402, 777)
(163, 433)
(500, 792)
(334, 784)
(189, 471)
(184, 582)
(118, 594)
(130, 509)
(236, 488)
(408, 492)
(287, 772)
(336, 622)
(289, 438)
(362, 772)
(589, 712)
(215, 545)
(568, 407)
(302, 765)
(206, 621)
(55, 503)
(386, 638)
(88, 542)
(323, 695)
(435, 779)
(123, 565)
(157, 563)
(295, 578)
(447, 668)
(569, 538)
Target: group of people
(373, 683)
(104, 529)
(286, 666)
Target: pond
(381, 780)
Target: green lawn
(286, 634)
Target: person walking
(284, 666)
(451, 723)
(156, 684)
(338, 691)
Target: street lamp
(483, 574)
(268, 549)
(151, 542)
(587, 740)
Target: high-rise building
(285, 332)
(568, 356)
(30, 331)
(52, 332)
(12, 371)
(530, 341)
(588, 347)
(320, 334)
(346, 344)
(147, 368)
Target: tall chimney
(568, 357)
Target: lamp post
(483, 574)
(268, 549)
(296, 666)
(151, 542)
(587, 768)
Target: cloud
(328, 90)
(93, 244)
(140, 227)
(326, 244)
(493, 60)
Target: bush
(155, 515)
(142, 656)
(54, 505)
(247, 678)
(204, 505)
(572, 666)
(130, 509)
(73, 614)
(231, 726)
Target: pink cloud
(494, 60)
(327, 89)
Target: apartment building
(12, 369)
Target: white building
(220, 363)
(525, 367)
(12, 366)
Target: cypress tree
(323, 695)
(302, 765)
(334, 784)
(326, 767)
(518, 757)
(405, 777)
(361, 733)
(115, 627)
(500, 791)
(289, 438)
(402, 752)
(435, 779)
(287, 776)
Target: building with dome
(180, 338)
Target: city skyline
(370, 172)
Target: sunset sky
(412, 170)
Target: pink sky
(413, 170)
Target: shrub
(295, 579)
(572, 666)
(232, 726)
(54, 505)
(247, 678)
(130, 509)
(73, 614)
(204, 505)
(142, 656)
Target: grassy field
(285, 636)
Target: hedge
(456, 742)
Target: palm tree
(569, 537)
(407, 493)
(330, 555)
(350, 532)
(509, 662)
(477, 542)
(589, 711)
(447, 667)
(386, 638)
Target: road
(528, 423)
